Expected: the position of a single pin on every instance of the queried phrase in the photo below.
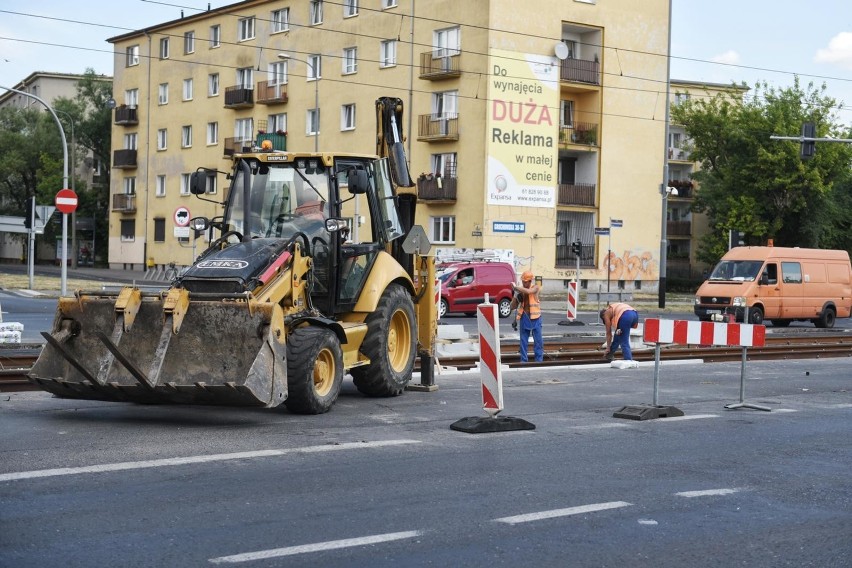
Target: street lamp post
(287, 56)
(665, 191)
(664, 188)
(73, 188)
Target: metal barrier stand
(742, 403)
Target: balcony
(239, 97)
(580, 71)
(438, 127)
(236, 145)
(576, 194)
(440, 188)
(440, 64)
(565, 258)
(126, 116)
(268, 94)
(279, 141)
(684, 188)
(124, 159)
(124, 202)
(581, 133)
(679, 228)
(680, 155)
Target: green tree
(760, 186)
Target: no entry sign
(66, 200)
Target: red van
(464, 285)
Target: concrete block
(452, 332)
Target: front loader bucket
(165, 348)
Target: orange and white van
(778, 284)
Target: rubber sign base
(647, 412)
(488, 425)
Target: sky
(717, 41)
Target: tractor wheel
(390, 344)
(314, 370)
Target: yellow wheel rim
(399, 340)
(324, 371)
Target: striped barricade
(571, 311)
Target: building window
(316, 12)
(444, 164)
(387, 55)
(243, 129)
(388, 4)
(312, 122)
(446, 42)
(246, 29)
(164, 48)
(189, 42)
(566, 114)
(128, 230)
(163, 97)
(186, 137)
(215, 36)
(129, 186)
(680, 98)
(161, 186)
(131, 98)
(132, 55)
(277, 122)
(245, 77)
(212, 133)
(445, 105)
(278, 73)
(347, 117)
(350, 60)
(314, 67)
(159, 230)
(443, 229)
(187, 89)
(211, 184)
(184, 184)
(213, 85)
(130, 141)
(162, 139)
(350, 8)
(280, 20)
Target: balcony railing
(679, 228)
(125, 159)
(239, 97)
(576, 194)
(580, 71)
(584, 133)
(438, 127)
(437, 188)
(684, 188)
(236, 145)
(565, 258)
(125, 202)
(126, 115)
(680, 154)
(279, 141)
(271, 94)
(440, 64)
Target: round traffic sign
(66, 200)
(181, 217)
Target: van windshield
(736, 270)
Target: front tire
(755, 315)
(505, 307)
(390, 344)
(443, 308)
(314, 370)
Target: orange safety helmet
(527, 276)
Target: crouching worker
(527, 302)
(622, 318)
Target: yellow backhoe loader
(280, 306)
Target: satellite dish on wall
(561, 50)
(110, 103)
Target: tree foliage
(760, 186)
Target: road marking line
(707, 492)
(316, 547)
(121, 466)
(688, 417)
(563, 512)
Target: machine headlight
(739, 301)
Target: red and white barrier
(572, 301)
(489, 358)
(438, 297)
(682, 332)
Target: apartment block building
(528, 127)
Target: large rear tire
(390, 344)
(826, 318)
(314, 370)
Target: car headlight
(739, 301)
(697, 300)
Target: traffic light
(30, 213)
(577, 247)
(808, 147)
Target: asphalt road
(386, 482)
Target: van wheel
(443, 308)
(755, 316)
(781, 323)
(505, 307)
(826, 319)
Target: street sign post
(66, 202)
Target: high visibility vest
(618, 310)
(535, 307)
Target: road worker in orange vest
(623, 318)
(528, 304)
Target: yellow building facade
(527, 127)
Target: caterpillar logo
(226, 264)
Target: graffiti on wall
(630, 265)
